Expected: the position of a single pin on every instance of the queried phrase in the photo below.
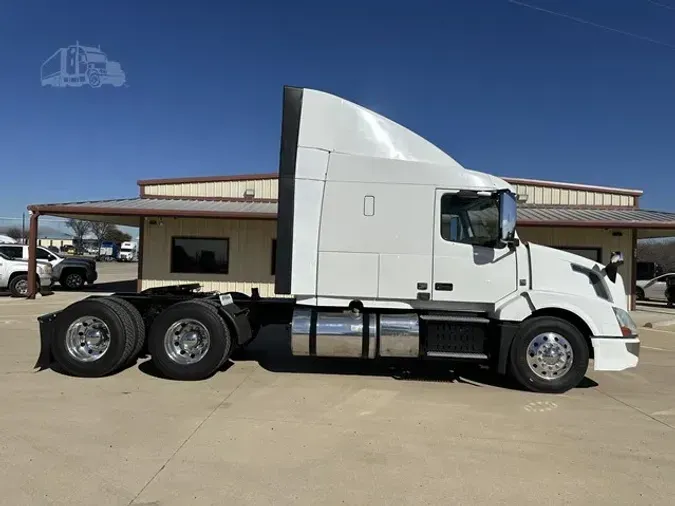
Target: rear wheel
(189, 340)
(549, 355)
(93, 337)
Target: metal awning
(648, 223)
(129, 211)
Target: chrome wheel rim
(22, 287)
(187, 341)
(550, 356)
(73, 280)
(88, 339)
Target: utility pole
(23, 228)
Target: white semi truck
(388, 248)
(128, 252)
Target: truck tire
(139, 328)
(93, 337)
(189, 341)
(93, 78)
(548, 355)
(72, 279)
(18, 286)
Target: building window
(594, 254)
(274, 256)
(200, 255)
(470, 219)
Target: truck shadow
(271, 350)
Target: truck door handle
(443, 287)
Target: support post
(633, 269)
(141, 240)
(32, 255)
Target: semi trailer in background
(108, 251)
(386, 248)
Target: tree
(114, 234)
(15, 233)
(79, 228)
(100, 229)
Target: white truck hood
(554, 270)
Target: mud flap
(45, 357)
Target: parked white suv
(20, 251)
(14, 276)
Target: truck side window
(12, 252)
(41, 254)
(470, 219)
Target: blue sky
(502, 88)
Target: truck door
(469, 266)
(76, 62)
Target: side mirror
(507, 217)
(615, 260)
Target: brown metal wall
(263, 189)
(545, 195)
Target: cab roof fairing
(335, 125)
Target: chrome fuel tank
(355, 335)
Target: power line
(659, 4)
(591, 23)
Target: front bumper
(46, 283)
(615, 353)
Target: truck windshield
(470, 219)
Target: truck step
(454, 318)
(460, 355)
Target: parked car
(653, 289)
(14, 276)
(71, 273)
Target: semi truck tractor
(387, 248)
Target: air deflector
(290, 127)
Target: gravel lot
(272, 429)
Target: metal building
(237, 216)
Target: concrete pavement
(273, 429)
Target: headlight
(44, 269)
(628, 327)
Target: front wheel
(549, 355)
(18, 286)
(72, 281)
